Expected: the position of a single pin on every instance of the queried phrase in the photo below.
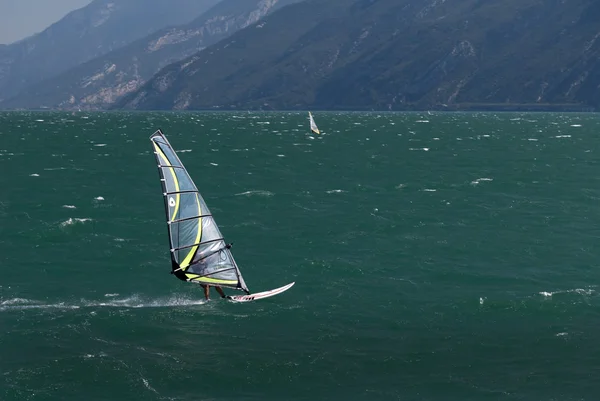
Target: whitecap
(89, 356)
(257, 192)
(72, 221)
(148, 386)
(477, 181)
(580, 291)
(16, 301)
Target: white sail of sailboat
(198, 250)
(313, 125)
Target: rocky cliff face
(100, 82)
(395, 55)
(98, 28)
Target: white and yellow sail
(198, 250)
(313, 125)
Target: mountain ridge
(97, 83)
(85, 33)
(394, 55)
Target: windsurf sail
(313, 125)
(199, 253)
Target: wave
(132, 302)
(72, 221)
(257, 192)
(580, 291)
(477, 181)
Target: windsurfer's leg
(206, 291)
(220, 291)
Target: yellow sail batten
(188, 259)
(198, 279)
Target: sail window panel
(172, 159)
(184, 234)
(183, 206)
(184, 180)
(203, 205)
(218, 265)
(208, 249)
(210, 231)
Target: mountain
(101, 81)
(395, 55)
(86, 33)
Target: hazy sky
(21, 18)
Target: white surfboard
(260, 295)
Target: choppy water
(436, 257)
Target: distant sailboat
(313, 125)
